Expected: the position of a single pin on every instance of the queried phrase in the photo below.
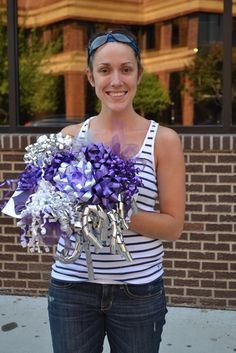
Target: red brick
(15, 266)
(200, 274)
(176, 254)
(211, 178)
(174, 291)
(218, 208)
(199, 292)
(227, 198)
(187, 264)
(226, 275)
(219, 227)
(225, 294)
(213, 303)
(29, 275)
(202, 237)
(232, 285)
(213, 284)
(186, 301)
(38, 284)
(226, 257)
(202, 198)
(188, 245)
(7, 274)
(219, 168)
(186, 283)
(193, 226)
(14, 284)
(198, 217)
(202, 158)
(202, 255)
(216, 247)
(27, 257)
(215, 266)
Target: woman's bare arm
(168, 224)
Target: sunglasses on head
(112, 37)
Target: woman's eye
(127, 69)
(103, 70)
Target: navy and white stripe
(147, 253)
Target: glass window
(234, 72)
(179, 32)
(185, 52)
(203, 74)
(210, 29)
(4, 93)
(49, 78)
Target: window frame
(226, 127)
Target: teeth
(117, 94)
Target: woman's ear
(90, 77)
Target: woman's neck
(110, 120)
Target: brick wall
(200, 267)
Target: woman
(126, 301)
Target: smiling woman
(126, 300)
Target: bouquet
(77, 191)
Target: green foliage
(38, 91)
(205, 74)
(150, 96)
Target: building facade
(201, 266)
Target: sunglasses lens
(121, 38)
(118, 37)
(98, 42)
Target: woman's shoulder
(72, 130)
(167, 141)
(168, 135)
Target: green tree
(38, 91)
(151, 97)
(205, 74)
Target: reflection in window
(205, 72)
(175, 95)
(179, 32)
(234, 72)
(39, 87)
(210, 29)
(4, 98)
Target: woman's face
(115, 76)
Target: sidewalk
(25, 328)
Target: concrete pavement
(25, 328)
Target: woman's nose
(115, 79)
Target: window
(234, 72)
(45, 82)
(4, 93)
(179, 32)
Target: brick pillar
(187, 106)
(75, 95)
(192, 38)
(187, 100)
(73, 39)
(164, 77)
(166, 34)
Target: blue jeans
(81, 314)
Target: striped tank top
(147, 253)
